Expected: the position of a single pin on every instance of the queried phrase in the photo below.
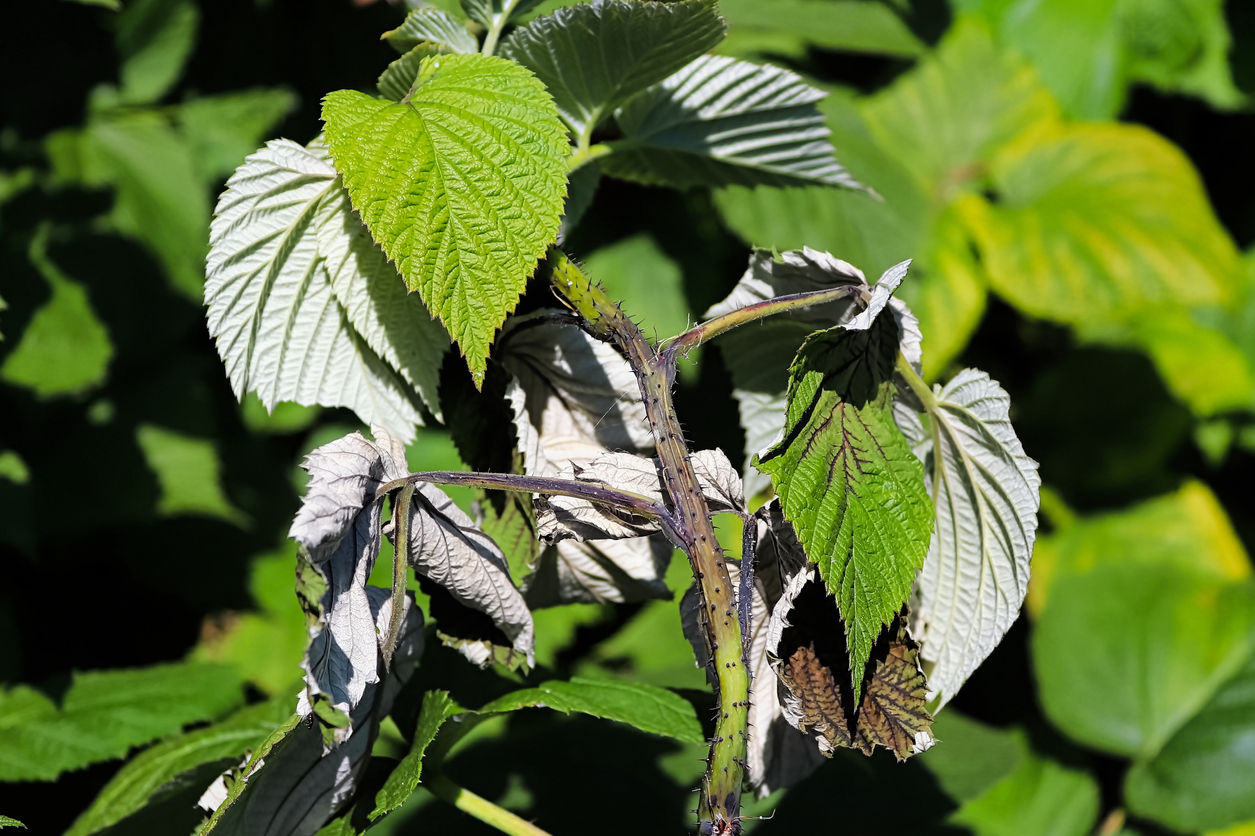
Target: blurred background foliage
(1074, 180)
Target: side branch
(712, 328)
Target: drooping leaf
(65, 349)
(222, 130)
(573, 399)
(431, 26)
(462, 185)
(830, 24)
(645, 707)
(272, 308)
(1201, 778)
(722, 122)
(154, 39)
(986, 494)
(1126, 653)
(447, 547)
(846, 478)
(141, 778)
(307, 771)
(395, 324)
(595, 56)
(104, 713)
(1115, 209)
(189, 473)
(401, 783)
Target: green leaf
(105, 713)
(974, 758)
(986, 493)
(594, 57)
(1188, 529)
(847, 480)
(438, 706)
(462, 185)
(1181, 47)
(645, 707)
(644, 279)
(65, 349)
(274, 309)
(154, 39)
(848, 25)
(721, 122)
(1202, 778)
(1041, 797)
(1126, 653)
(188, 471)
(1102, 221)
(161, 200)
(274, 741)
(142, 777)
(495, 14)
(222, 130)
(398, 77)
(5, 821)
(431, 26)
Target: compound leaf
(278, 325)
(722, 122)
(847, 480)
(595, 56)
(986, 492)
(462, 183)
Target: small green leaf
(646, 707)
(154, 38)
(188, 471)
(1202, 778)
(438, 706)
(5, 821)
(104, 713)
(847, 479)
(593, 57)
(431, 26)
(722, 122)
(65, 349)
(222, 130)
(141, 778)
(1128, 652)
(398, 78)
(462, 185)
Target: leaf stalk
(478, 806)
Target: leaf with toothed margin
(431, 26)
(462, 183)
(847, 478)
(595, 56)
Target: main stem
(720, 803)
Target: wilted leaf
(592, 57)
(816, 696)
(846, 477)
(462, 185)
(272, 309)
(986, 494)
(431, 26)
(104, 714)
(723, 122)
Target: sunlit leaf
(272, 308)
(189, 473)
(5, 821)
(594, 56)
(431, 26)
(222, 130)
(722, 122)
(104, 714)
(838, 25)
(401, 783)
(462, 185)
(986, 493)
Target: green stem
(494, 34)
(916, 383)
(400, 562)
(478, 806)
(712, 328)
(720, 803)
(586, 154)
